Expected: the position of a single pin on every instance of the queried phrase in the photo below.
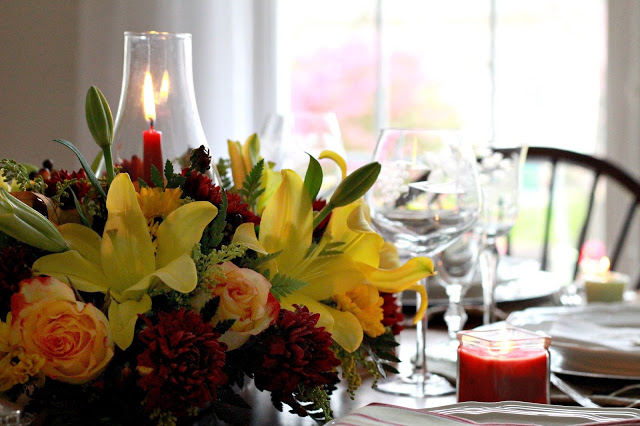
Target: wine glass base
(417, 385)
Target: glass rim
(157, 34)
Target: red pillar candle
(152, 142)
(506, 364)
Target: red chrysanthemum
(14, 267)
(294, 353)
(317, 206)
(201, 188)
(80, 188)
(182, 362)
(135, 168)
(392, 313)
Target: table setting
(155, 285)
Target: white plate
(596, 340)
(488, 413)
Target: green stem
(108, 163)
(322, 214)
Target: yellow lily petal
(349, 225)
(328, 276)
(424, 301)
(287, 222)
(347, 330)
(344, 327)
(73, 269)
(246, 235)
(270, 182)
(325, 320)
(389, 257)
(181, 230)
(180, 275)
(123, 317)
(238, 170)
(127, 252)
(250, 152)
(399, 279)
(336, 159)
(84, 240)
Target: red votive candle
(152, 152)
(505, 364)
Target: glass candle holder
(157, 117)
(605, 286)
(503, 364)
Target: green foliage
(315, 400)
(224, 325)
(331, 249)
(251, 190)
(156, 177)
(214, 232)
(19, 174)
(282, 285)
(142, 183)
(313, 177)
(224, 169)
(174, 180)
(87, 168)
(255, 262)
(209, 309)
(207, 263)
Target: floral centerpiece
(132, 302)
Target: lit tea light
(602, 284)
(503, 364)
(152, 139)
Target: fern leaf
(282, 285)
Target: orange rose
(73, 337)
(245, 297)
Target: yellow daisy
(158, 203)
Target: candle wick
(151, 123)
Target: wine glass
(456, 266)
(499, 173)
(288, 138)
(426, 196)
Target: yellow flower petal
(84, 240)
(270, 182)
(337, 159)
(123, 317)
(181, 230)
(73, 269)
(287, 222)
(349, 225)
(246, 235)
(127, 251)
(328, 276)
(238, 170)
(424, 301)
(399, 279)
(180, 275)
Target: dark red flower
(135, 168)
(15, 266)
(201, 188)
(392, 313)
(182, 362)
(294, 353)
(80, 189)
(317, 206)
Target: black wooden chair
(601, 170)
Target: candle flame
(149, 101)
(605, 264)
(164, 88)
(503, 347)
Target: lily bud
(27, 225)
(99, 118)
(355, 185)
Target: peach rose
(245, 297)
(73, 337)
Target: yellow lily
(287, 226)
(122, 262)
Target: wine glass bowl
(500, 172)
(426, 196)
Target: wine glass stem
(420, 366)
(490, 258)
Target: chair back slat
(549, 214)
(622, 235)
(587, 219)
